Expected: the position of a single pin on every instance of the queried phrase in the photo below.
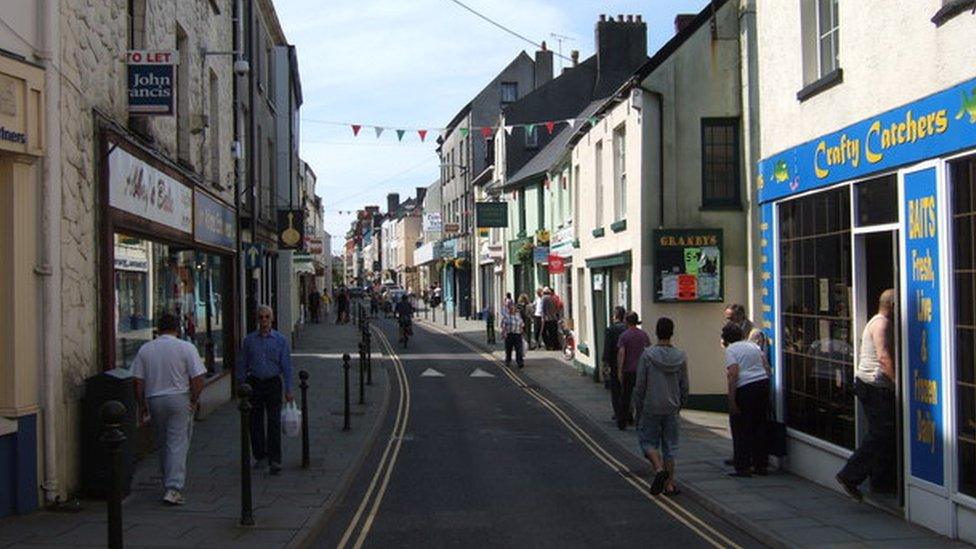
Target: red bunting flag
(486, 132)
(422, 134)
(355, 129)
(549, 126)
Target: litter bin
(116, 384)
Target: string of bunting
(485, 131)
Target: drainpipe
(660, 153)
(50, 266)
(240, 181)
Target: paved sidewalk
(782, 510)
(288, 509)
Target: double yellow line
(673, 508)
(362, 520)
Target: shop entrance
(877, 254)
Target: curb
(762, 535)
(315, 524)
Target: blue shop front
(888, 202)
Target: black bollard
(113, 413)
(490, 327)
(454, 317)
(369, 358)
(345, 367)
(303, 384)
(244, 405)
(362, 366)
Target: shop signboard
(291, 228)
(452, 228)
(302, 263)
(688, 265)
(213, 223)
(491, 214)
(253, 253)
(924, 326)
(561, 242)
(930, 127)
(137, 188)
(151, 82)
(432, 222)
(557, 265)
(540, 254)
(448, 249)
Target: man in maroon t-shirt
(630, 346)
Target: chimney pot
(574, 55)
(543, 45)
(630, 18)
(620, 18)
(638, 18)
(603, 17)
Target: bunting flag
(422, 134)
(549, 126)
(571, 122)
(379, 131)
(486, 132)
(465, 132)
(355, 129)
(508, 130)
(400, 134)
(592, 120)
(529, 128)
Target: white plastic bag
(525, 347)
(291, 420)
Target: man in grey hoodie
(660, 392)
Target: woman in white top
(748, 391)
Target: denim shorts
(659, 432)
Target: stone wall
(93, 78)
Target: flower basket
(524, 254)
(461, 263)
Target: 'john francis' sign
(152, 82)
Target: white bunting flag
(379, 131)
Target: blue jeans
(172, 420)
(659, 432)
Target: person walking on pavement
(524, 307)
(610, 337)
(326, 305)
(265, 364)
(512, 327)
(342, 304)
(550, 320)
(748, 396)
(314, 305)
(874, 386)
(661, 390)
(630, 347)
(537, 318)
(168, 376)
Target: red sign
(557, 264)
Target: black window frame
(734, 202)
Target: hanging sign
(540, 254)
(151, 81)
(140, 189)
(924, 327)
(491, 214)
(291, 226)
(432, 222)
(557, 264)
(253, 253)
(213, 223)
(688, 265)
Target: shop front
(610, 279)
(886, 203)
(559, 265)
(168, 248)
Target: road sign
(252, 255)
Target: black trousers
(875, 457)
(549, 335)
(614, 391)
(624, 414)
(513, 342)
(266, 408)
(749, 427)
(537, 330)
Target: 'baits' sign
(152, 82)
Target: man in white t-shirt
(169, 378)
(748, 387)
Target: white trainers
(173, 497)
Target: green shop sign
(491, 214)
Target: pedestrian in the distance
(610, 367)
(168, 376)
(524, 307)
(326, 305)
(314, 305)
(512, 328)
(748, 393)
(630, 347)
(550, 320)
(660, 392)
(537, 318)
(265, 364)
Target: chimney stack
(392, 203)
(574, 55)
(621, 48)
(603, 17)
(542, 71)
(682, 20)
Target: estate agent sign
(151, 81)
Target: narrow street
(481, 458)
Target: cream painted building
(868, 168)
(675, 247)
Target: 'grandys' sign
(151, 82)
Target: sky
(413, 64)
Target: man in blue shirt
(265, 364)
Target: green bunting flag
(592, 120)
(465, 131)
(530, 128)
(400, 134)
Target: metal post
(244, 405)
(490, 327)
(362, 364)
(345, 367)
(303, 384)
(454, 315)
(112, 414)
(369, 358)
(445, 312)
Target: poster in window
(688, 265)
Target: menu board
(688, 265)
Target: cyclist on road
(404, 315)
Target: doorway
(877, 253)
(598, 283)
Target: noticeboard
(491, 214)
(688, 265)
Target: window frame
(501, 92)
(735, 202)
(531, 137)
(832, 34)
(598, 184)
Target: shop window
(963, 177)
(815, 315)
(876, 201)
(152, 278)
(720, 163)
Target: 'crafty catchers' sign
(152, 82)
